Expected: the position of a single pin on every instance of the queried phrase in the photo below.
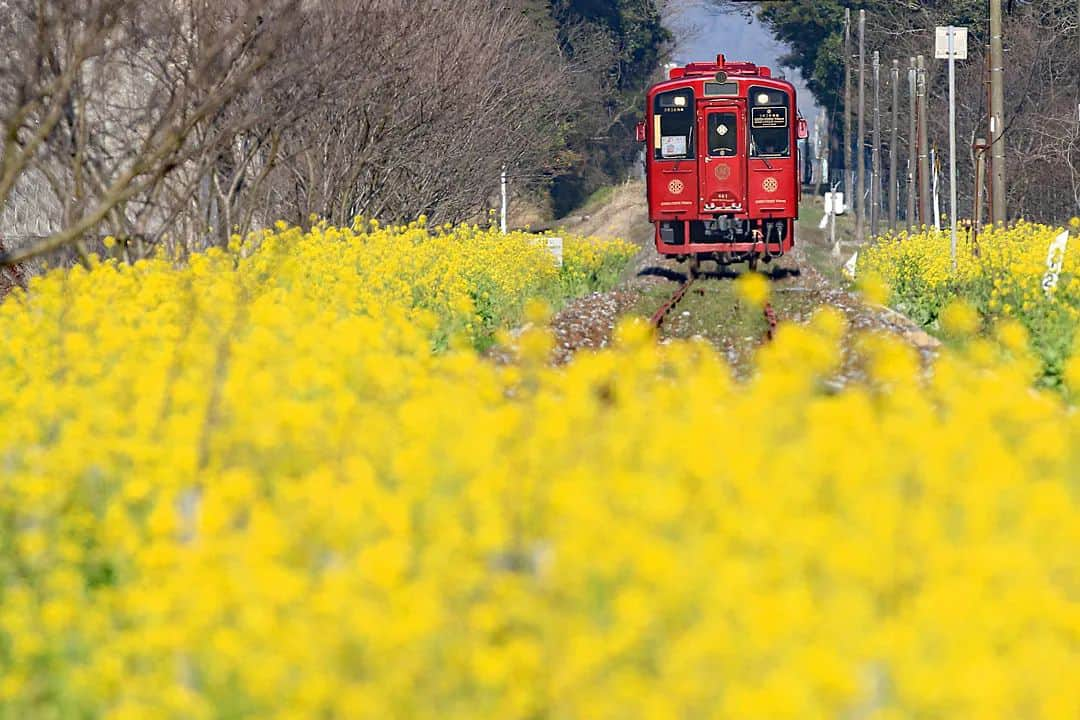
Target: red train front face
(722, 162)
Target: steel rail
(658, 317)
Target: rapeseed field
(279, 481)
(1000, 275)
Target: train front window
(673, 125)
(770, 123)
(723, 134)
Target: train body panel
(722, 165)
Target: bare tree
(104, 101)
(1041, 100)
(424, 117)
(182, 122)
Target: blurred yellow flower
(753, 287)
(281, 481)
(959, 318)
(874, 289)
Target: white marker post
(834, 205)
(502, 193)
(951, 44)
(555, 247)
(1055, 258)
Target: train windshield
(770, 123)
(673, 125)
(723, 134)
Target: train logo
(770, 185)
(722, 172)
(675, 187)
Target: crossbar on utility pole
(894, 188)
(997, 118)
(860, 145)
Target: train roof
(734, 70)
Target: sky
(701, 31)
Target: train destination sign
(769, 117)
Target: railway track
(658, 317)
(676, 297)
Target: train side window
(673, 128)
(723, 134)
(770, 123)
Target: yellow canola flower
(1002, 272)
(265, 484)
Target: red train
(722, 162)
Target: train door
(723, 164)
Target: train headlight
(680, 101)
(763, 99)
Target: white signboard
(1055, 258)
(941, 42)
(554, 245)
(674, 145)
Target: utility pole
(875, 151)
(860, 145)
(893, 141)
(924, 141)
(980, 174)
(848, 165)
(997, 118)
(912, 147)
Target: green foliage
(815, 33)
(619, 44)
(1002, 283)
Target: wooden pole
(997, 117)
(848, 164)
(912, 148)
(875, 151)
(924, 142)
(986, 179)
(980, 173)
(860, 143)
(894, 188)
